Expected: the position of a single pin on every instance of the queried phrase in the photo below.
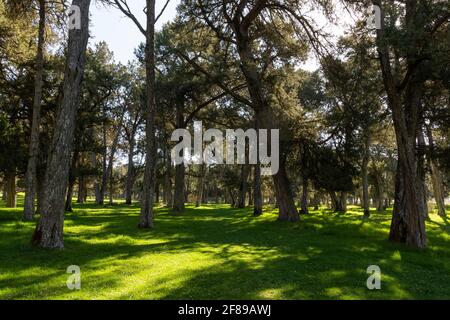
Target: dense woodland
(370, 127)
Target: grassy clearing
(215, 252)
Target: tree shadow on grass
(255, 258)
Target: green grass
(215, 252)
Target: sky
(120, 33)
(122, 36)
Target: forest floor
(216, 252)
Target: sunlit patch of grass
(218, 252)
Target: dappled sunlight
(215, 252)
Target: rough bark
(30, 175)
(81, 195)
(11, 189)
(285, 201)
(49, 230)
(147, 201)
(179, 196)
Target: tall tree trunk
(168, 184)
(11, 189)
(81, 189)
(68, 205)
(436, 178)
(205, 193)
(378, 186)
(304, 202)
(93, 161)
(232, 197)
(243, 186)
(30, 175)
(365, 176)
(110, 180)
(130, 172)
(335, 203)
(200, 186)
(72, 178)
(179, 196)
(257, 191)
(101, 189)
(250, 195)
(265, 119)
(438, 188)
(49, 230)
(316, 201)
(146, 217)
(111, 188)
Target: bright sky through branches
(120, 33)
(122, 36)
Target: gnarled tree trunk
(285, 201)
(408, 222)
